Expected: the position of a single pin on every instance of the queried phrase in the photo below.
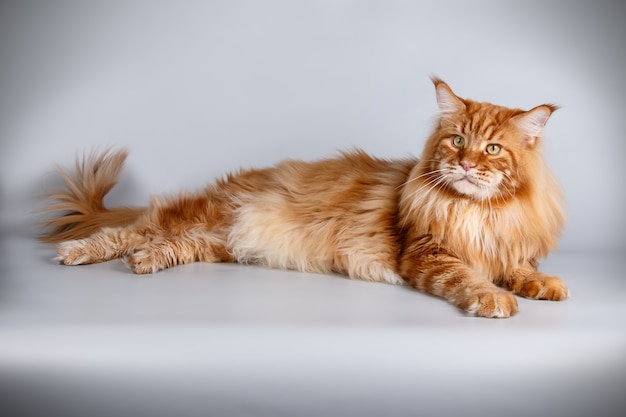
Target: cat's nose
(467, 165)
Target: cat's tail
(78, 210)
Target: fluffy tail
(80, 206)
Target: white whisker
(420, 176)
(432, 183)
(437, 181)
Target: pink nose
(467, 165)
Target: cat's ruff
(467, 221)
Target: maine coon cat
(467, 221)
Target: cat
(467, 221)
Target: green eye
(493, 149)
(458, 141)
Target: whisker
(434, 182)
(420, 176)
(510, 178)
(432, 185)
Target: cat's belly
(268, 235)
(260, 235)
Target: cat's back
(338, 181)
(350, 175)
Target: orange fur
(82, 202)
(459, 223)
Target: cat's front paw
(491, 304)
(73, 252)
(540, 286)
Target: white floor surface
(233, 340)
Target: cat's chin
(466, 187)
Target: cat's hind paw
(143, 261)
(73, 252)
(491, 304)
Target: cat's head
(483, 151)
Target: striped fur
(467, 221)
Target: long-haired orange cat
(467, 221)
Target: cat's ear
(447, 101)
(532, 122)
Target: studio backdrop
(194, 89)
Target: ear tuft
(532, 122)
(447, 101)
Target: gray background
(195, 89)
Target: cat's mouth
(468, 179)
(466, 185)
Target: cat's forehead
(483, 120)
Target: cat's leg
(174, 231)
(434, 271)
(363, 263)
(167, 251)
(527, 282)
(146, 251)
(191, 228)
(104, 245)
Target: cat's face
(480, 150)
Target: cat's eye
(458, 141)
(493, 149)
